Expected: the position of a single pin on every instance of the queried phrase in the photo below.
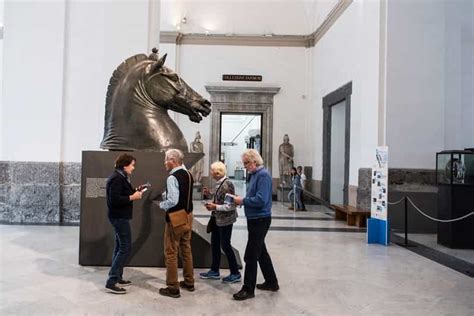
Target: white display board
(379, 198)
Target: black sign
(242, 77)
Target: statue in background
(140, 93)
(285, 159)
(197, 146)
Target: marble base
(96, 234)
(197, 191)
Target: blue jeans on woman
(295, 198)
(122, 250)
(220, 237)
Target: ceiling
(244, 17)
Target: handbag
(180, 220)
(211, 225)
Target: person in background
(258, 210)
(295, 192)
(120, 197)
(224, 215)
(178, 196)
(299, 169)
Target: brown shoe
(291, 208)
(166, 291)
(183, 285)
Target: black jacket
(118, 192)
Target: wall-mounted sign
(241, 77)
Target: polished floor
(324, 268)
(431, 241)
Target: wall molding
(268, 40)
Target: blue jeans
(297, 198)
(220, 237)
(122, 250)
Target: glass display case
(455, 179)
(455, 167)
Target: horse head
(170, 91)
(140, 93)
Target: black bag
(211, 226)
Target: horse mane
(117, 76)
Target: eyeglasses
(246, 162)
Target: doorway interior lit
(237, 133)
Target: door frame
(242, 99)
(331, 99)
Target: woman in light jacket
(225, 215)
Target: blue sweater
(258, 202)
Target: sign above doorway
(241, 77)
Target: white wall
(2, 3)
(415, 82)
(94, 50)
(280, 66)
(349, 51)
(459, 73)
(32, 80)
(58, 59)
(429, 81)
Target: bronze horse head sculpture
(139, 95)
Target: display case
(455, 167)
(455, 180)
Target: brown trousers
(178, 244)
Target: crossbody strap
(220, 186)
(189, 194)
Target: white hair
(254, 156)
(174, 154)
(219, 168)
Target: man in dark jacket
(120, 197)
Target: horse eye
(175, 77)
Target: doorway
(242, 100)
(336, 145)
(237, 133)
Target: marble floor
(431, 241)
(324, 268)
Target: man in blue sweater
(258, 210)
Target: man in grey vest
(178, 196)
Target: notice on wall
(379, 198)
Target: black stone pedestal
(456, 201)
(96, 241)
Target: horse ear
(159, 64)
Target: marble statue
(196, 146)
(140, 93)
(285, 159)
